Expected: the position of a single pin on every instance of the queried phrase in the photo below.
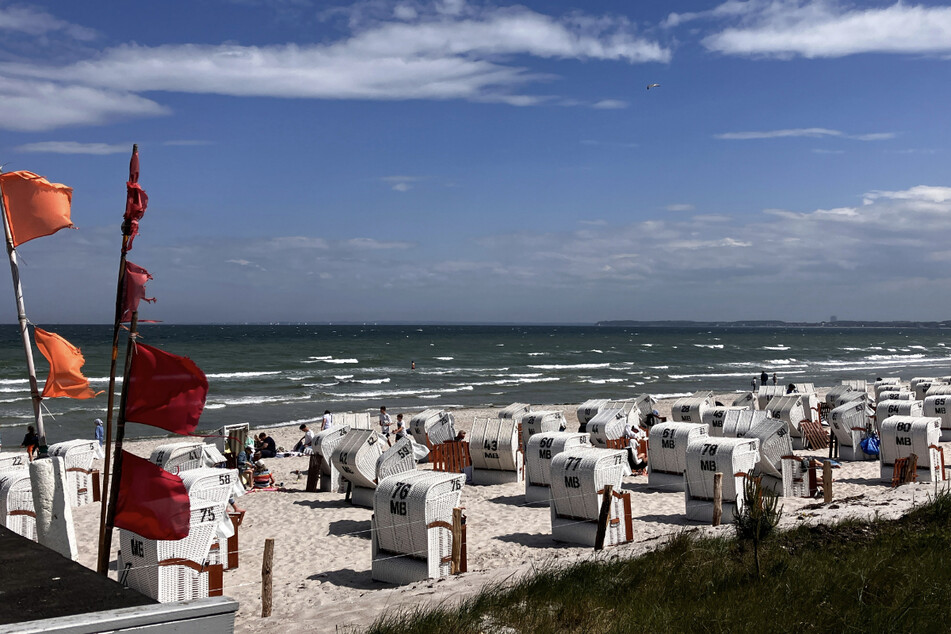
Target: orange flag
(35, 207)
(66, 361)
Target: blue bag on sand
(870, 445)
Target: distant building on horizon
(833, 319)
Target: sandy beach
(322, 543)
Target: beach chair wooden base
(815, 437)
(450, 457)
(313, 473)
(620, 529)
(905, 470)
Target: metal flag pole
(24, 327)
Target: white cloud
(31, 21)
(814, 133)
(610, 104)
(401, 183)
(370, 243)
(827, 28)
(680, 207)
(72, 147)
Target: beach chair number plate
(208, 515)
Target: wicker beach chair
(609, 425)
(324, 444)
(495, 451)
(233, 438)
(182, 456)
(667, 453)
(514, 411)
(714, 417)
(355, 457)
(897, 395)
(835, 392)
(16, 502)
(578, 479)
(736, 424)
(13, 461)
(766, 393)
(539, 451)
(889, 383)
(746, 399)
(902, 436)
(588, 410)
(859, 385)
(789, 408)
(734, 458)
(218, 486)
(395, 460)
(432, 427)
(939, 407)
(921, 388)
(850, 424)
(885, 409)
(355, 420)
(412, 526)
(79, 455)
(536, 422)
(690, 409)
(173, 570)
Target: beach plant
(760, 515)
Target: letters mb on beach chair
(16, 502)
(432, 427)
(413, 527)
(495, 451)
(850, 424)
(690, 409)
(902, 436)
(218, 486)
(578, 479)
(540, 421)
(173, 570)
(324, 444)
(355, 458)
(82, 482)
(734, 458)
(714, 417)
(540, 450)
(181, 456)
(939, 406)
(667, 453)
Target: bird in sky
(649, 86)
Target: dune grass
(881, 576)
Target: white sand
(322, 544)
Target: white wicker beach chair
(837, 391)
(897, 395)
(588, 410)
(396, 460)
(233, 438)
(766, 393)
(850, 424)
(734, 458)
(667, 453)
(515, 410)
(609, 425)
(13, 461)
(885, 409)
(901, 436)
(578, 479)
(921, 389)
(495, 451)
(16, 502)
(714, 417)
(859, 385)
(790, 408)
(939, 407)
(412, 525)
(218, 486)
(536, 422)
(355, 458)
(433, 427)
(777, 466)
(182, 456)
(324, 444)
(938, 389)
(78, 455)
(644, 406)
(172, 570)
(357, 420)
(736, 424)
(690, 409)
(746, 399)
(540, 450)
(889, 384)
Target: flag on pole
(135, 203)
(134, 289)
(34, 206)
(165, 390)
(66, 362)
(152, 502)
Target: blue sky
(461, 161)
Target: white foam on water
(258, 400)
(716, 346)
(538, 354)
(240, 375)
(444, 358)
(596, 350)
(571, 366)
(603, 381)
(779, 347)
(343, 377)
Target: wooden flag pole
(24, 328)
(105, 543)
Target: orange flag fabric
(66, 362)
(34, 206)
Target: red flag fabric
(152, 502)
(34, 206)
(134, 289)
(165, 390)
(135, 203)
(66, 362)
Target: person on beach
(460, 435)
(327, 421)
(385, 422)
(31, 441)
(791, 388)
(400, 430)
(753, 384)
(306, 444)
(246, 466)
(763, 378)
(267, 447)
(100, 432)
(774, 378)
(635, 454)
(263, 478)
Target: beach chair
(432, 427)
(13, 461)
(173, 570)
(746, 399)
(16, 502)
(495, 451)
(837, 391)
(790, 408)
(713, 417)
(810, 401)
(609, 425)
(412, 527)
(924, 382)
(889, 383)
(885, 409)
(850, 424)
(921, 389)
(81, 480)
(737, 423)
(859, 385)
(588, 410)
(903, 436)
(939, 407)
(938, 389)
(514, 411)
(233, 438)
(766, 393)
(643, 405)
(356, 420)
(897, 395)
(181, 456)
(667, 453)
(355, 457)
(324, 444)
(690, 409)
(451, 457)
(735, 458)
(218, 486)
(777, 467)
(578, 479)
(536, 422)
(539, 451)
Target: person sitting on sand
(635, 453)
(263, 478)
(245, 464)
(460, 435)
(267, 448)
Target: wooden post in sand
(313, 472)
(455, 567)
(266, 580)
(826, 481)
(603, 517)
(717, 498)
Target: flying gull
(649, 86)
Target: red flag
(152, 502)
(34, 206)
(165, 390)
(66, 362)
(134, 289)
(135, 202)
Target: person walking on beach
(327, 421)
(385, 422)
(400, 430)
(100, 433)
(31, 441)
(774, 378)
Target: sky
(453, 161)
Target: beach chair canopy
(182, 456)
(494, 444)
(774, 444)
(433, 427)
(397, 459)
(729, 456)
(736, 424)
(667, 446)
(356, 455)
(218, 486)
(589, 409)
(406, 505)
(16, 502)
(714, 417)
(515, 410)
(902, 436)
(940, 407)
(845, 419)
(543, 447)
(610, 422)
(536, 422)
(578, 478)
(690, 409)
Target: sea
(269, 375)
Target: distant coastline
(624, 323)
